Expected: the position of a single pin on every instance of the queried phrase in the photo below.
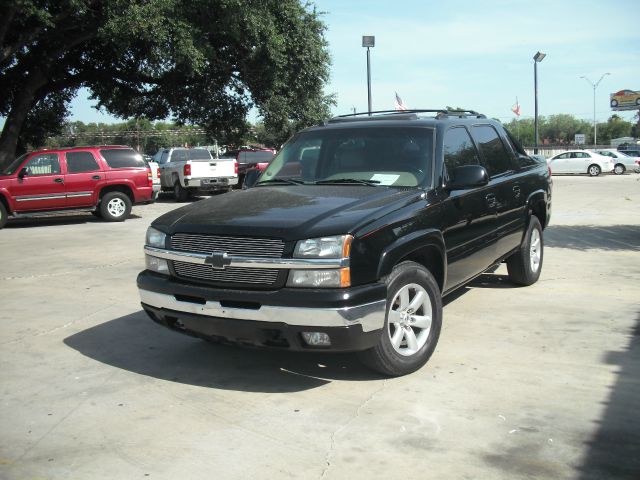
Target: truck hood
(288, 212)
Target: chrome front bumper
(370, 316)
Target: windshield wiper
(371, 183)
(290, 181)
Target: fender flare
(409, 244)
(536, 197)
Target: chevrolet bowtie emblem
(218, 260)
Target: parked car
(625, 98)
(155, 174)
(351, 237)
(580, 161)
(252, 158)
(631, 150)
(191, 171)
(105, 180)
(622, 161)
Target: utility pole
(595, 85)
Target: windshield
(13, 166)
(392, 156)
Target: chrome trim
(250, 262)
(38, 197)
(369, 315)
(79, 194)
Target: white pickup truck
(194, 171)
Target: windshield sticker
(385, 179)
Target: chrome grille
(251, 247)
(260, 276)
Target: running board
(51, 213)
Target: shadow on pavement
(614, 450)
(135, 343)
(585, 237)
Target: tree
(199, 61)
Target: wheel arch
(537, 206)
(118, 188)
(425, 247)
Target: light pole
(537, 58)
(595, 85)
(368, 41)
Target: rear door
(42, 188)
(82, 178)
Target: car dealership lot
(534, 382)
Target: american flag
(398, 103)
(516, 108)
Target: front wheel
(412, 324)
(593, 170)
(525, 265)
(3, 215)
(115, 207)
(618, 169)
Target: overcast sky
(476, 54)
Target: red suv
(105, 180)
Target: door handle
(491, 200)
(58, 180)
(516, 191)
(96, 177)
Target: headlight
(325, 247)
(155, 238)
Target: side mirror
(24, 171)
(250, 178)
(468, 176)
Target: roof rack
(403, 115)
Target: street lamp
(368, 41)
(537, 58)
(595, 85)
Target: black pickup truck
(351, 237)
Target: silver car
(623, 162)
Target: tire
(4, 215)
(525, 265)
(407, 340)
(115, 207)
(180, 193)
(593, 170)
(618, 169)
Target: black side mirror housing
(250, 178)
(23, 172)
(466, 177)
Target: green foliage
(205, 62)
(561, 129)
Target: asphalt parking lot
(536, 382)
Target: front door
(41, 187)
(469, 216)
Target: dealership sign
(625, 100)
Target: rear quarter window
(122, 158)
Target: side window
(458, 150)
(43, 164)
(497, 159)
(164, 158)
(563, 156)
(78, 162)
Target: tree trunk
(19, 111)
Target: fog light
(156, 264)
(316, 339)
